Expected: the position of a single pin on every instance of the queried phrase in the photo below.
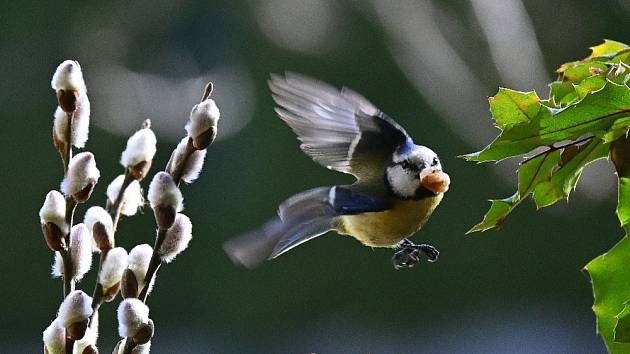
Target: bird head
(415, 172)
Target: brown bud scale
(129, 285)
(164, 216)
(145, 333)
(76, 331)
(53, 236)
(140, 170)
(110, 293)
(83, 195)
(101, 237)
(68, 100)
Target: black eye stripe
(406, 165)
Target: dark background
(429, 64)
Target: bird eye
(435, 161)
(406, 165)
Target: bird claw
(408, 254)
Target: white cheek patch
(402, 182)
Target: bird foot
(408, 254)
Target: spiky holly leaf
(589, 101)
(509, 107)
(608, 48)
(597, 112)
(564, 180)
(609, 275)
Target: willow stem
(68, 272)
(114, 211)
(154, 265)
(114, 208)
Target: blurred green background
(429, 64)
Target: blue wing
(341, 130)
(301, 218)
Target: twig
(178, 170)
(114, 208)
(114, 211)
(553, 148)
(68, 277)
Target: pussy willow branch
(179, 169)
(66, 154)
(154, 265)
(68, 281)
(553, 148)
(156, 259)
(68, 272)
(114, 211)
(114, 208)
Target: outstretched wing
(341, 130)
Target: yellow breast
(387, 228)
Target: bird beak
(434, 180)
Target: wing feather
(340, 130)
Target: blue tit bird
(398, 183)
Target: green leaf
(609, 275)
(613, 134)
(622, 57)
(619, 74)
(499, 210)
(577, 73)
(622, 327)
(608, 48)
(590, 85)
(558, 90)
(564, 180)
(509, 107)
(620, 155)
(536, 170)
(623, 204)
(597, 112)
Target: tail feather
(300, 218)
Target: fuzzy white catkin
(113, 267)
(138, 349)
(80, 123)
(138, 263)
(203, 116)
(132, 313)
(163, 191)
(88, 339)
(82, 171)
(54, 338)
(57, 266)
(141, 146)
(80, 250)
(54, 211)
(132, 199)
(142, 349)
(177, 238)
(76, 307)
(194, 163)
(68, 76)
(98, 214)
